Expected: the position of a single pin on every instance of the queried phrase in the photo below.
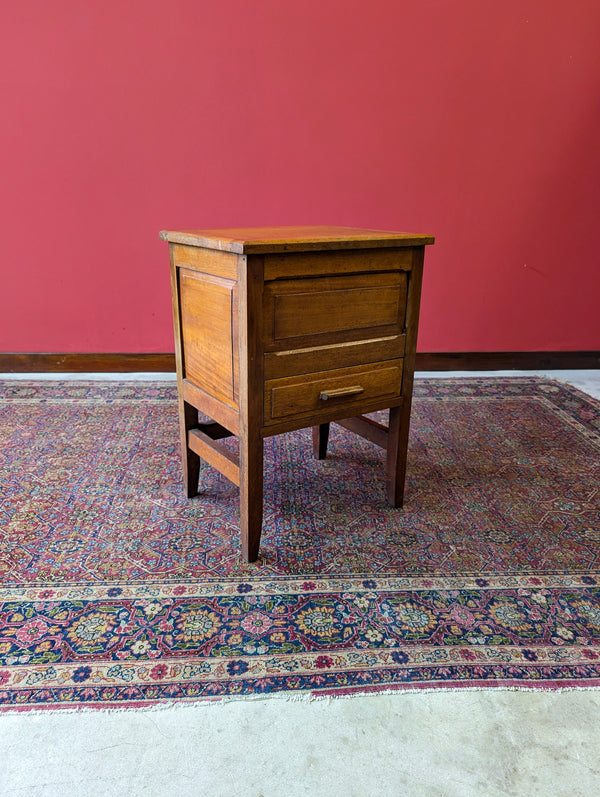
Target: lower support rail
(366, 427)
(221, 458)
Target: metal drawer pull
(341, 392)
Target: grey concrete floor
(443, 744)
(449, 744)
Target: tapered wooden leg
(320, 438)
(251, 495)
(188, 419)
(396, 453)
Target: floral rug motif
(117, 591)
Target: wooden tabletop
(261, 240)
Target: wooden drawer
(327, 392)
(312, 311)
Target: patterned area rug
(117, 591)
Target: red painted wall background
(478, 122)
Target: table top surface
(263, 240)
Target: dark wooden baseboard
(76, 362)
(22, 362)
(506, 360)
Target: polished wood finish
(314, 325)
(207, 329)
(251, 284)
(334, 355)
(262, 240)
(188, 410)
(399, 421)
(311, 395)
(211, 406)
(216, 455)
(340, 306)
(206, 261)
(341, 261)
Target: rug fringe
(285, 697)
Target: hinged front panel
(336, 308)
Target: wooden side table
(282, 328)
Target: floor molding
(78, 362)
(506, 360)
(81, 362)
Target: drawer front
(325, 392)
(305, 311)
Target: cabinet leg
(251, 496)
(320, 438)
(188, 419)
(396, 454)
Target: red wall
(476, 121)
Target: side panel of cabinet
(208, 307)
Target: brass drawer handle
(341, 392)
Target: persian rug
(117, 591)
